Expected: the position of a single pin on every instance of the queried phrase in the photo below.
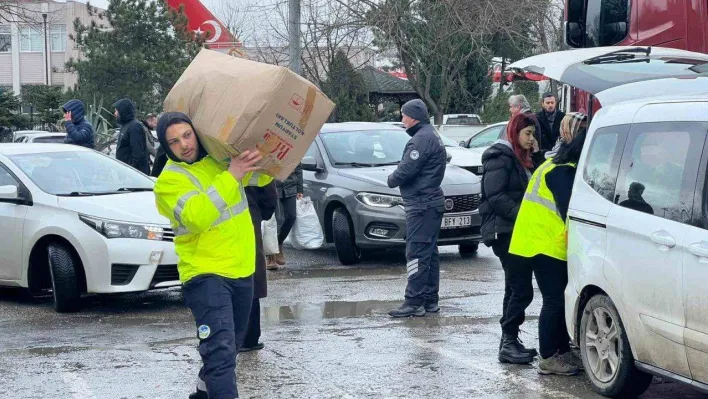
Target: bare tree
(326, 27)
(436, 39)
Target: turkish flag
(201, 20)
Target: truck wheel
(343, 232)
(607, 356)
(65, 286)
(468, 250)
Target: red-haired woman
(507, 169)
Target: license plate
(456, 222)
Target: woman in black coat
(262, 202)
(507, 169)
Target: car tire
(607, 355)
(343, 233)
(65, 284)
(468, 250)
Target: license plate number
(456, 222)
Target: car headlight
(379, 200)
(113, 229)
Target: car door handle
(700, 249)
(664, 239)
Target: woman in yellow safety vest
(539, 244)
(206, 204)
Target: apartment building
(35, 45)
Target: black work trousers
(221, 307)
(518, 286)
(552, 278)
(253, 333)
(288, 207)
(423, 266)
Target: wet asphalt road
(326, 332)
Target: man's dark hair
(150, 115)
(547, 95)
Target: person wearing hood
(569, 127)
(214, 238)
(132, 142)
(419, 175)
(507, 169)
(150, 124)
(79, 131)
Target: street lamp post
(46, 52)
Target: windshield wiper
(620, 56)
(388, 163)
(355, 164)
(134, 189)
(79, 194)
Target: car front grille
(463, 203)
(168, 235)
(165, 273)
(123, 274)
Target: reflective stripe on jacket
(208, 211)
(539, 228)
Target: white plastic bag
(269, 228)
(307, 232)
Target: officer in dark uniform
(419, 175)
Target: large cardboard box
(237, 104)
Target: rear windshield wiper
(134, 189)
(624, 55)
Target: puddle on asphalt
(333, 310)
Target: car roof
(355, 127)
(37, 148)
(629, 111)
(30, 132)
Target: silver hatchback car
(345, 174)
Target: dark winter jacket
(262, 202)
(160, 162)
(291, 186)
(78, 130)
(422, 169)
(503, 186)
(549, 134)
(132, 143)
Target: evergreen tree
(139, 53)
(46, 101)
(10, 116)
(347, 89)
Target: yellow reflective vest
(539, 228)
(208, 211)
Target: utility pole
(294, 33)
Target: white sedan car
(77, 221)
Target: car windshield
(448, 142)
(365, 148)
(78, 173)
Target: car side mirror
(449, 157)
(9, 193)
(310, 163)
(574, 34)
(463, 143)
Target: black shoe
(199, 395)
(256, 347)
(432, 308)
(511, 351)
(406, 310)
(522, 348)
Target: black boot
(512, 351)
(407, 310)
(522, 348)
(432, 307)
(199, 395)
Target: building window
(5, 39)
(31, 39)
(57, 37)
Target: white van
(636, 301)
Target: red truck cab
(680, 24)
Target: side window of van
(659, 169)
(603, 159)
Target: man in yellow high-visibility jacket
(215, 241)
